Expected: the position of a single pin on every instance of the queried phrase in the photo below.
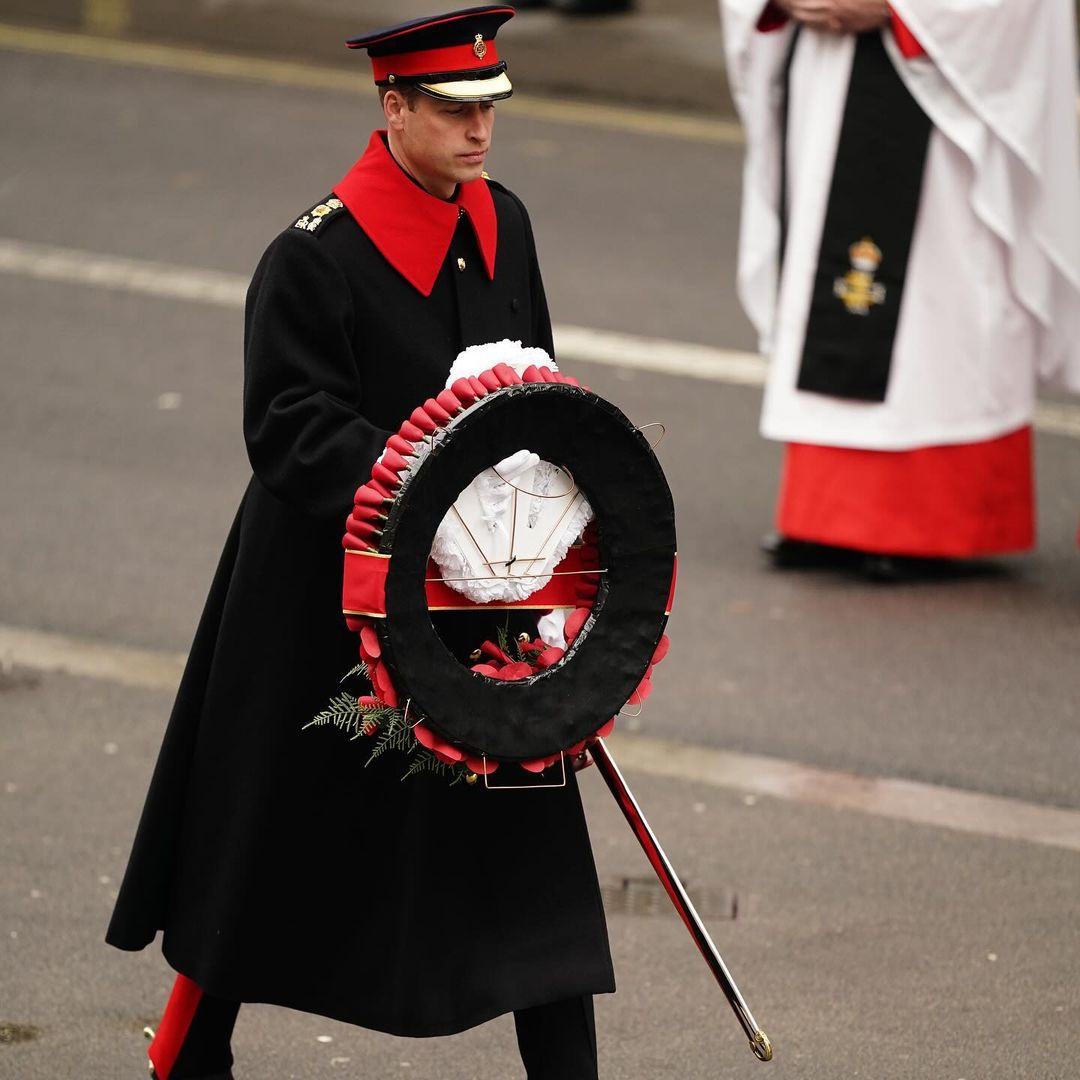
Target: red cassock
(940, 501)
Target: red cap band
(454, 58)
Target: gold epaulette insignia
(317, 214)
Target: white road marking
(752, 774)
(656, 355)
(899, 800)
(125, 275)
(43, 651)
(660, 356)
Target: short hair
(409, 92)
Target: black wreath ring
(613, 464)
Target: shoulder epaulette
(319, 213)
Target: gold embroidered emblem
(857, 288)
(480, 47)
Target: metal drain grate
(11, 1032)
(646, 896)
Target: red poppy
(538, 765)
(516, 670)
(369, 643)
(443, 750)
(493, 652)
(574, 622)
(382, 685)
(661, 649)
(641, 694)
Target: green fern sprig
(426, 761)
(343, 712)
(391, 728)
(394, 734)
(348, 715)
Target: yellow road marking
(107, 16)
(310, 76)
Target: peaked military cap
(451, 57)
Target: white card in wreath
(509, 529)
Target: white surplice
(991, 299)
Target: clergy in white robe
(910, 257)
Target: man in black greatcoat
(279, 869)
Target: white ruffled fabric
(484, 513)
(477, 358)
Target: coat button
(461, 264)
(515, 304)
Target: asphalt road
(868, 947)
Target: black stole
(869, 221)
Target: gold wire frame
(526, 787)
(652, 424)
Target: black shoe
(217, 1076)
(787, 553)
(914, 569)
(590, 7)
(883, 569)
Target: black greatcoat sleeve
(307, 439)
(541, 327)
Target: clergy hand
(838, 16)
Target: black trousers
(556, 1041)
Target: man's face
(441, 143)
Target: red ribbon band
(453, 58)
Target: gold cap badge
(480, 47)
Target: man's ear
(394, 109)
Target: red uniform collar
(411, 228)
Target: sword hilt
(761, 1046)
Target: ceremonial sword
(759, 1041)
